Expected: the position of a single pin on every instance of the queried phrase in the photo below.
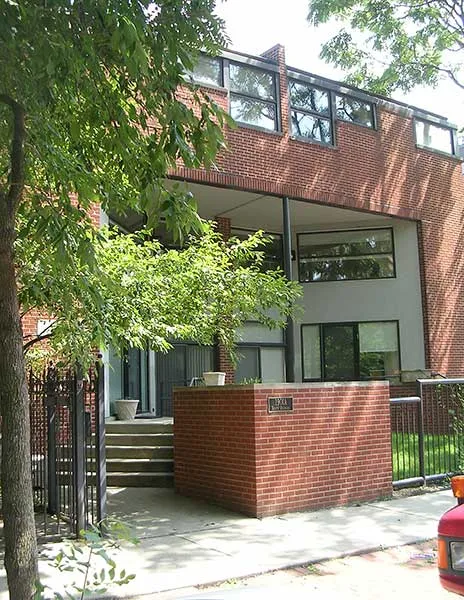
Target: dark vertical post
(78, 450)
(420, 431)
(51, 458)
(50, 403)
(289, 331)
(100, 447)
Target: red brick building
(365, 199)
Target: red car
(451, 542)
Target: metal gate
(177, 368)
(428, 433)
(68, 450)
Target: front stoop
(139, 454)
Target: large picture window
(346, 255)
(253, 97)
(350, 351)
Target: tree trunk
(16, 477)
(17, 498)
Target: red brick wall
(377, 171)
(334, 448)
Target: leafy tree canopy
(140, 294)
(394, 44)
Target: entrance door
(135, 377)
(339, 342)
(177, 368)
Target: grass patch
(440, 453)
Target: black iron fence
(68, 450)
(427, 433)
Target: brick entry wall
(333, 449)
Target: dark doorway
(177, 368)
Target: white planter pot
(126, 409)
(214, 378)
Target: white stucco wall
(398, 299)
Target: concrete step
(138, 439)
(136, 426)
(136, 452)
(155, 480)
(141, 465)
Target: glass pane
(339, 269)
(115, 376)
(338, 255)
(346, 243)
(311, 127)
(311, 352)
(252, 82)
(355, 111)
(248, 366)
(208, 70)
(132, 377)
(433, 136)
(307, 97)
(273, 250)
(339, 353)
(252, 332)
(253, 112)
(272, 365)
(378, 350)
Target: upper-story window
(310, 112)
(208, 70)
(346, 255)
(353, 110)
(434, 136)
(253, 97)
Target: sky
(254, 26)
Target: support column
(222, 360)
(289, 331)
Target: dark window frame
(276, 89)
(271, 233)
(318, 115)
(451, 131)
(373, 126)
(393, 276)
(355, 325)
(199, 82)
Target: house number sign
(281, 404)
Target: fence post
(52, 480)
(78, 444)
(420, 430)
(100, 447)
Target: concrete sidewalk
(184, 542)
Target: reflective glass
(353, 110)
(252, 82)
(433, 136)
(311, 352)
(345, 255)
(306, 97)
(312, 127)
(253, 112)
(208, 70)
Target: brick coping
(286, 386)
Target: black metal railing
(68, 450)
(427, 432)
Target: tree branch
(16, 183)
(35, 340)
